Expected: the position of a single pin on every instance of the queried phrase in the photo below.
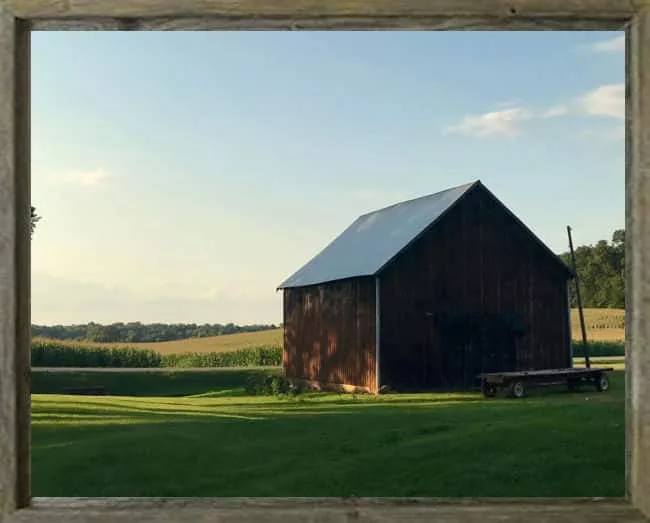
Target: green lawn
(216, 441)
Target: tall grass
(52, 354)
(252, 357)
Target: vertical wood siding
(329, 333)
(475, 293)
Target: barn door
(499, 342)
(476, 343)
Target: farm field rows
(601, 324)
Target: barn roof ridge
(466, 185)
(374, 239)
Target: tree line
(601, 273)
(136, 332)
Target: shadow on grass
(133, 384)
(220, 383)
(546, 446)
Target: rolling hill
(225, 343)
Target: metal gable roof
(374, 239)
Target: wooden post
(637, 260)
(582, 317)
(15, 214)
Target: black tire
(602, 383)
(489, 389)
(517, 389)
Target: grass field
(213, 440)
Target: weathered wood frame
(19, 17)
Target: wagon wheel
(489, 389)
(602, 382)
(517, 389)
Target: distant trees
(601, 270)
(137, 332)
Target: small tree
(34, 218)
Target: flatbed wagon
(517, 382)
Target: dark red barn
(426, 294)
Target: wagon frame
(518, 381)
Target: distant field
(601, 324)
(225, 343)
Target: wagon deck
(518, 381)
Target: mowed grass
(216, 441)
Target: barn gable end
(427, 269)
(476, 293)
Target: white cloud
(506, 122)
(555, 111)
(495, 123)
(85, 178)
(606, 100)
(611, 45)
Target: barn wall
(329, 333)
(476, 265)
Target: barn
(425, 295)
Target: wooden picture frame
(19, 17)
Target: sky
(182, 176)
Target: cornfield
(52, 354)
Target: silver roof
(374, 239)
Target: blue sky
(182, 176)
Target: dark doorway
(445, 351)
(476, 343)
